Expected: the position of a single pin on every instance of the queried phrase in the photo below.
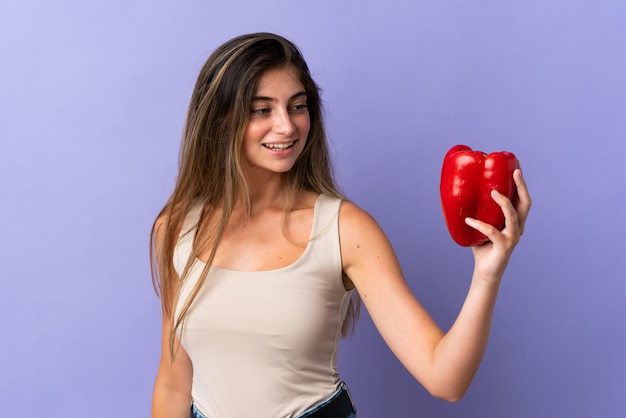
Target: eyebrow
(271, 99)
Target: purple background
(92, 102)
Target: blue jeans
(337, 405)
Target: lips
(280, 146)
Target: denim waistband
(194, 411)
(339, 404)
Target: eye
(262, 111)
(299, 108)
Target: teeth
(279, 146)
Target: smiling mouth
(280, 147)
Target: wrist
(481, 284)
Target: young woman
(261, 263)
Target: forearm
(168, 403)
(458, 354)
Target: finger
(491, 232)
(525, 201)
(511, 217)
(522, 188)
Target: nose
(283, 124)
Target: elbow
(451, 399)
(448, 394)
(448, 397)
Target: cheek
(253, 132)
(304, 126)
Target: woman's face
(279, 122)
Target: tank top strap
(325, 248)
(326, 215)
(184, 246)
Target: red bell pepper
(467, 179)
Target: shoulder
(366, 253)
(158, 228)
(160, 223)
(173, 222)
(352, 218)
(358, 230)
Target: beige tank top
(264, 344)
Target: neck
(266, 190)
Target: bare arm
(171, 397)
(445, 363)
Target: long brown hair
(210, 168)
